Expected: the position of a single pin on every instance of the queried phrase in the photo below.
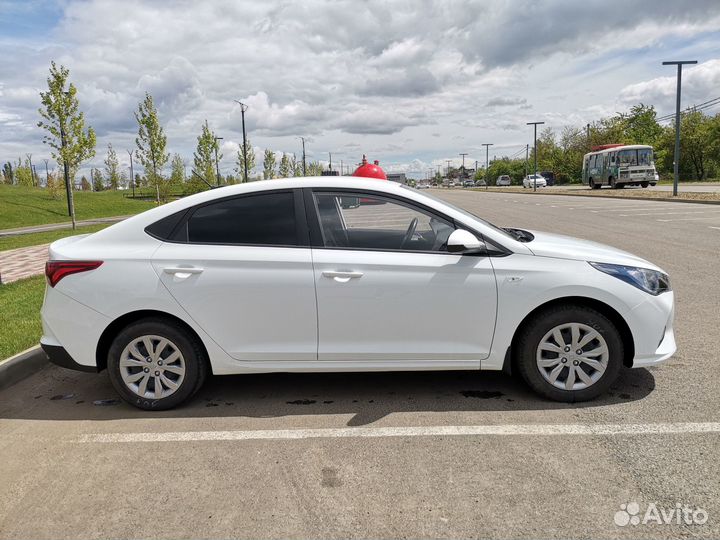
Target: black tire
(613, 185)
(591, 184)
(196, 362)
(536, 328)
(644, 184)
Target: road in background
(463, 454)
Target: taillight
(56, 270)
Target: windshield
(468, 214)
(642, 156)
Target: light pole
(244, 108)
(487, 162)
(676, 165)
(535, 125)
(303, 145)
(447, 171)
(132, 175)
(217, 163)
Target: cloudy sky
(409, 83)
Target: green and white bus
(619, 165)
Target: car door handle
(182, 272)
(342, 277)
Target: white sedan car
(345, 274)
(532, 180)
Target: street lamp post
(217, 163)
(487, 162)
(535, 125)
(676, 165)
(244, 108)
(132, 175)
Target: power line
(698, 107)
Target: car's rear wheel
(644, 184)
(570, 353)
(155, 365)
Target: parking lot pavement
(455, 454)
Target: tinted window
(163, 228)
(367, 221)
(266, 219)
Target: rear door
(241, 267)
(389, 294)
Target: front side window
(628, 157)
(263, 219)
(366, 221)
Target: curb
(22, 365)
(566, 194)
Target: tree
(240, 161)
(98, 182)
(54, 185)
(177, 170)
(285, 170)
(269, 164)
(112, 168)
(65, 126)
(8, 173)
(84, 184)
(295, 167)
(204, 160)
(151, 142)
(23, 173)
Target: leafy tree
(240, 162)
(314, 168)
(54, 185)
(285, 170)
(112, 168)
(84, 184)
(204, 160)
(269, 164)
(177, 170)
(8, 173)
(23, 173)
(151, 142)
(98, 182)
(295, 167)
(64, 122)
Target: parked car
(532, 180)
(503, 180)
(468, 183)
(283, 276)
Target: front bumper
(652, 346)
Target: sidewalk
(24, 262)
(58, 226)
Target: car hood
(567, 247)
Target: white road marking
(689, 218)
(419, 431)
(672, 213)
(711, 227)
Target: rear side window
(263, 219)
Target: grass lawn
(35, 239)
(20, 304)
(23, 206)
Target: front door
(389, 294)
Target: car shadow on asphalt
(58, 394)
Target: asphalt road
(713, 187)
(407, 455)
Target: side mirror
(461, 241)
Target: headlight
(650, 281)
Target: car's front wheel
(155, 365)
(570, 353)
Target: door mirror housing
(464, 242)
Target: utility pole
(217, 163)
(463, 163)
(132, 176)
(676, 165)
(487, 163)
(330, 166)
(66, 171)
(535, 125)
(342, 171)
(244, 108)
(47, 174)
(527, 152)
(447, 173)
(303, 146)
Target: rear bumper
(60, 357)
